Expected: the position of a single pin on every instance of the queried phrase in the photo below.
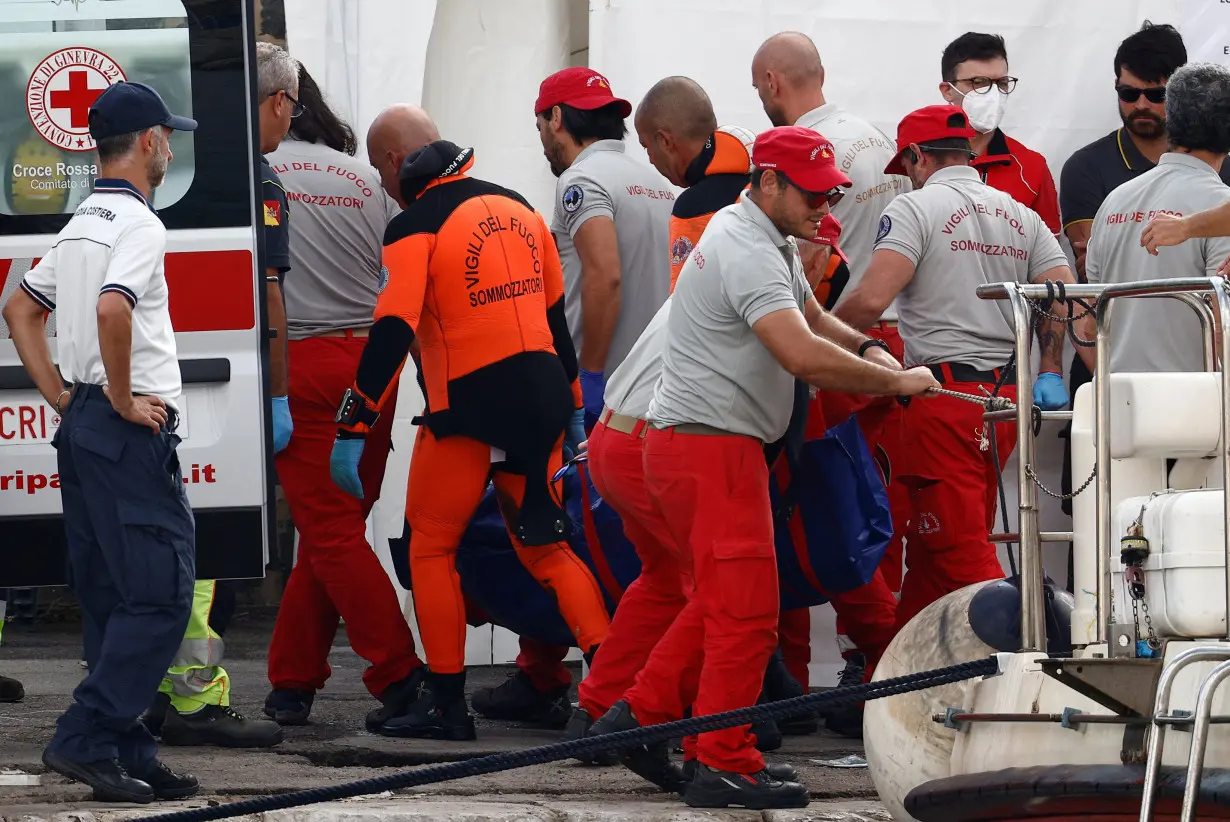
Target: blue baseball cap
(127, 107)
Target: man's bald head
(789, 76)
(395, 134)
(678, 105)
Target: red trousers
(950, 471)
(716, 489)
(654, 599)
(794, 637)
(337, 572)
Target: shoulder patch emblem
(384, 279)
(886, 225)
(680, 249)
(273, 213)
(573, 196)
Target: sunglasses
(1130, 94)
(815, 199)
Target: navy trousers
(132, 563)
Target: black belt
(83, 392)
(960, 372)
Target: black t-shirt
(277, 221)
(1098, 169)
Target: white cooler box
(1185, 584)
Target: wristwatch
(862, 349)
(353, 410)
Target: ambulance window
(56, 56)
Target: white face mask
(985, 111)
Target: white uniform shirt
(114, 243)
(862, 153)
(715, 370)
(960, 233)
(630, 389)
(1156, 334)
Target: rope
(588, 745)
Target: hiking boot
(781, 771)
(651, 762)
(167, 784)
(439, 712)
(155, 714)
(219, 725)
(847, 720)
(755, 791)
(517, 700)
(287, 706)
(578, 728)
(111, 783)
(11, 690)
(395, 699)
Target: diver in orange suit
(474, 277)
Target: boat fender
(995, 616)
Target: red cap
(578, 87)
(828, 234)
(803, 155)
(930, 123)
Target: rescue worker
(936, 245)
(193, 705)
(497, 363)
(974, 77)
(1160, 335)
(341, 213)
(611, 224)
(742, 327)
(130, 530)
(1143, 63)
(789, 77)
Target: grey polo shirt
(604, 181)
(630, 389)
(715, 370)
(960, 233)
(336, 237)
(1156, 334)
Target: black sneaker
(155, 714)
(781, 771)
(216, 725)
(847, 720)
(111, 783)
(517, 700)
(754, 791)
(578, 728)
(433, 715)
(395, 699)
(11, 690)
(651, 762)
(167, 784)
(286, 706)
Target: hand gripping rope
(509, 760)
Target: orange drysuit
(715, 179)
(474, 276)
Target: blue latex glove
(344, 465)
(574, 434)
(1049, 391)
(283, 425)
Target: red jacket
(1022, 174)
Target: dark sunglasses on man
(816, 199)
(1130, 94)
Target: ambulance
(56, 57)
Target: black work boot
(154, 715)
(396, 699)
(651, 762)
(781, 771)
(111, 783)
(779, 684)
(517, 700)
(847, 720)
(439, 712)
(768, 736)
(11, 690)
(755, 791)
(578, 728)
(167, 784)
(218, 725)
(287, 706)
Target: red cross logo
(77, 98)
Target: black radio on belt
(353, 409)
